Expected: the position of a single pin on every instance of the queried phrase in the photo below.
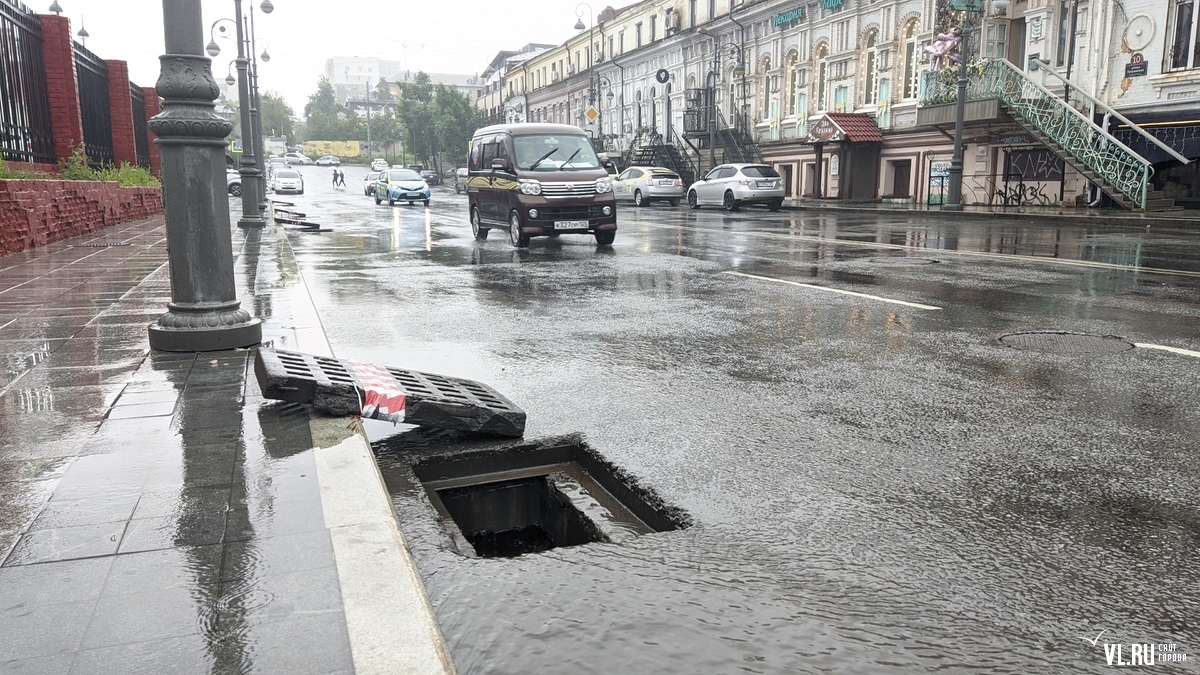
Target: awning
(852, 127)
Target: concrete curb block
(389, 619)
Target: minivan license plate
(570, 224)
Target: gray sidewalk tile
(42, 665)
(60, 513)
(188, 655)
(49, 583)
(269, 598)
(281, 554)
(135, 410)
(315, 644)
(66, 543)
(139, 617)
(160, 571)
(43, 629)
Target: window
(653, 27)
(1183, 37)
(793, 82)
(822, 75)
(610, 46)
(621, 42)
(910, 60)
(996, 40)
(1064, 32)
(691, 13)
(842, 31)
(869, 66)
(712, 9)
(841, 99)
(637, 33)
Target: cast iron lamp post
(256, 103)
(253, 186)
(739, 70)
(592, 83)
(954, 186)
(204, 313)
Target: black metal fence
(92, 77)
(141, 141)
(26, 134)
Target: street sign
(591, 113)
(967, 5)
(235, 146)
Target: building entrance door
(901, 178)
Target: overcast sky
(442, 36)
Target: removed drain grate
(1066, 343)
(508, 501)
(901, 261)
(100, 244)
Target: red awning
(853, 127)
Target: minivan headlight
(530, 187)
(603, 185)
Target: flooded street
(876, 482)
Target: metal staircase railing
(1117, 167)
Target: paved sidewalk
(156, 513)
(1175, 219)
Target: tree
(436, 119)
(383, 92)
(323, 101)
(277, 117)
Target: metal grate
(569, 189)
(1066, 343)
(900, 261)
(99, 244)
(137, 98)
(433, 400)
(91, 74)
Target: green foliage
(437, 119)
(9, 173)
(323, 101)
(76, 167)
(276, 116)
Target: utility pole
(368, 115)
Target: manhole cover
(1066, 343)
(900, 261)
(100, 244)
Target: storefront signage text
(832, 4)
(788, 17)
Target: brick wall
(66, 118)
(121, 109)
(38, 212)
(153, 107)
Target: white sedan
(297, 158)
(644, 184)
(288, 180)
(732, 185)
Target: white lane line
(833, 290)
(1173, 350)
(940, 251)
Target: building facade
(853, 99)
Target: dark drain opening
(515, 517)
(508, 500)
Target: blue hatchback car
(401, 185)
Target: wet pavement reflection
(156, 513)
(877, 487)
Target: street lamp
(739, 70)
(83, 34)
(55, 8)
(954, 188)
(254, 188)
(204, 313)
(591, 71)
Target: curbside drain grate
(901, 261)
(100, 244)
(1056, 342)
(345, 388)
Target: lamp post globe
(267, 7)
(55, 8)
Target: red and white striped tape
(382, 399)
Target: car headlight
(530, 187)
(607, 210)
(603, 185)
(533, 213)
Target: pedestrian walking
(335, 177)
(341, 178)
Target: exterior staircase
(655, 152)
(731, 143)
(1118, 171)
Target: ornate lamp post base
(205, 328)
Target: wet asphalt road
(876, 487)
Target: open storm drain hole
(505, 503)
(1066, 343)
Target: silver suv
(732, 185)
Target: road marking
(940, 251)
(833, 290)
(1173, 350)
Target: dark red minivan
(539, 180)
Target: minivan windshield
(553, 152)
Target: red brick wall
(120, 107)
(38, 212)
(67, 121)
(152, 108)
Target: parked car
(644, 184)
(288, 180)
(369, 183)
(431, 176)
(274, 163)
(732, 185)
(401, 185)
(233, 181)
(379, 164)
(460, 180)
(297, 158)
(329, 160)
(539, 180)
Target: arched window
(822, 75)
(870, 89)
(793, 82)
(764, 81)
(910, 60)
